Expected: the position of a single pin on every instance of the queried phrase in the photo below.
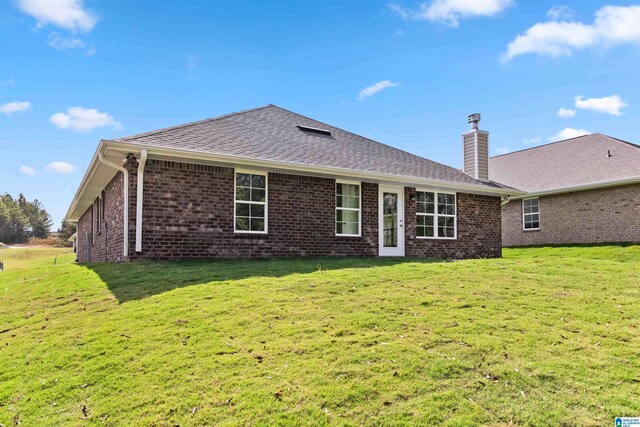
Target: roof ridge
(185, 125)
(378, 142)
(562, 140)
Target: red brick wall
(188, 213)
(108, 245)
(595, 216)
(478, 230)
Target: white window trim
(436, 215)
(523, 214)
(266, 200)
(359, 209)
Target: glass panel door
(390, 219)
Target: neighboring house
(268, 182)
(580, 190)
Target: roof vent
(474, 119)
(609, 154)
(314, 130)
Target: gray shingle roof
(571, 162)
(271, 133)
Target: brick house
(268, 182)
(580, 190)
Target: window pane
(257, 195)
(348, 190)
(242, 224)
(428, 231)
(445, 232)
(242, 209)
(446, 204)
(446, 226)
(258, 181)
(350, 202)
(243, 179)
(347, 202)
(257, 224)
(445, 221)
(257, 211)
(242, 193)
(349, 216)
(350, 228)
(531, 205)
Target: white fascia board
(232, 161)
(289, 167)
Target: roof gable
(572, 162)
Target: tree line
(21, 219)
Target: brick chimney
(476, 150)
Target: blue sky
(404, 73)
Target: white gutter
(141, 163)
(505, 200)
(125, 249)
(322, 170)
(581, 187)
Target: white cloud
(568, 133)
(27, 170)
(560, 13)
(375, 88)
(83, 119)
(532, 141)
(566, 113)
(450, 12)
(60, 167)
(63, 43)
(613, 25)
(14, 107)
(68, 14)
(502, 150)
(608, 104)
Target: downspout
(505, 200)
(125, 249)
(141, 164)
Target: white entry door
(391, 219)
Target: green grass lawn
(544, 336)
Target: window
(251, 203)
(435, 215)
(531, 214)
(94, 221)
(347, 209)
(100, 216)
